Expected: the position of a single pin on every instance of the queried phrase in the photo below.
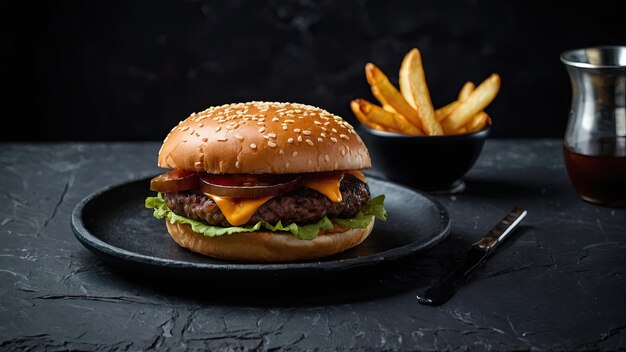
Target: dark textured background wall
(128, 70)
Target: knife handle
(499, 232)
(444, 289)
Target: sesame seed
(183, 129)
(253, 146)
(343, 152)
(281, 152)
(287, 165)
(297, 130)
(197, 134)
(343, 136)
(201, 124)
(218, 128)
(309, 142)
(309, 162)
(272, 135)
(333, 139)
(323, 134)
(284, 127)
(290, 140)
(324, 129)
(197, 163)
(262, 129)
(334, 130)
(275, 119)
(239, 137)
(336, 166)
(299, 138)
(306, 133)
(289, 121)
(237, 164)
(326, 123)
(327, 158)
(184, 140)
(271, 144)
(317, 122)
(222, 139)
(294, 154)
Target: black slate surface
(558, 284)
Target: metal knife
(478, 252)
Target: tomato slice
(174, 181)
(248, 185)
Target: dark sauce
(597, 170)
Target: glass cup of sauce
(594, 147)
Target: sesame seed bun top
(263, 137)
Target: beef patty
(301, 206)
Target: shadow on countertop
(348, 286)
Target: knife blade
(478, 252)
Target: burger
(265, 182)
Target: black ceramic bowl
(429, 163)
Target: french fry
(388, 120)
(389, 108)
(378, 127)
(468, 88)
(415, 91)
(387, 94)
(409, 110)
(354, 105)
(478, 122)
(445, 111)
(475, 103)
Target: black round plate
(114, 223)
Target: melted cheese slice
(327, 185)
(238, 210)
(358, 174)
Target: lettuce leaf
(374, 207)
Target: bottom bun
(267, 246)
